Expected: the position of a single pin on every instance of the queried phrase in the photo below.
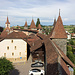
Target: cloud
(20, 10)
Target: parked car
(36, 72)
(37, 64)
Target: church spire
(7, 24)
(59, 12)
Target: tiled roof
(7, 22)
(26, 24)
(35, 45)
(5, 32)
(64, 68)
(29, 30)
(16, 35)
(73, 34)
(39, 27)
(58, 31)
(51, 57)
(32, 24)
(41, 36)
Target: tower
(7, 24)
(58, 34)
(39, 28)
(26, 26)
(33, 26)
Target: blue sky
(21, 10)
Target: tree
(38, 22)
(5, 66)
(1, 29)
(74, 30)
(69, 48)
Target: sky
(19, 11)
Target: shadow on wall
(52, 69)
(14, 72)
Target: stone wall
(62, 43)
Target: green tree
(71, 56)
(74, 30)
(69, 48)
(71, 42)
(5, 66)
(38, 22)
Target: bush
(69, 48)
(71, 42)
(71, 56)
(5, 66)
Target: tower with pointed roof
(54, 22)
(33, 26)
(7, 24)
(39, 28)
(26, 26)
(58, 34)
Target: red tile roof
(64, 68)
(26, 24)
(7, 22)
(58, 30)
(35, 45)
(16, 35)
(39, 27)
(73, 34)
(32, 24)
(5, 32)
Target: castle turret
(58, 34)
(7, 24)
(26, 26)
(39, 28)
(33, 26)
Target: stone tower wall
(62, 43)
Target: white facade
(13, 48)
(7, 25)
(68, 35)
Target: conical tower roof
(39, 27)
(58, 30)
(54, 22)
(32, 24)
(26, 24)
(7, 22)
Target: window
(15, 47)
(11, 41)
(12, 54)
(7, 47)
(20, 53)
(4, 54)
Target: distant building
(72, 35)
(26, 26)
(39, 28)
(68, 35)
